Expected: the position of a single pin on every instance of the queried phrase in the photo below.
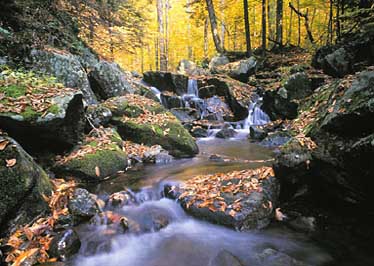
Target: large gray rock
(58, 129)
(218, 61)
(225, 258)
(22, 184)
(108, 80)
(278, 106)
(167, 81)
(240, 70)
(272, 257)
(339, 169)
(242, 200)
(298, 86)
(66, 68)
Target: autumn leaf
(279, 216)
(97, 171)
(3, 144)
(11, 162)
(24, 256)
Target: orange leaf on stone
(3, 144)
(11, 162)
(97, 171)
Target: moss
(14, 91)
(54, 109)
(108, 161)
(17, 181)
(30, 114)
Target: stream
(186, 241)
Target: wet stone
(65, 244)
(83, 204)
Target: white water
(156, 92)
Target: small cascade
(256, 117)
(156, 92)
(192, 99)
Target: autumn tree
(213, 26)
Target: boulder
(272, 257)
(278, 106)
(185, 115)
(236, 94)
(171, 101)
(218, 61)
(64, 245)
(167, 81)
(108, 80)
(186, 67)
(298, 86)
(225, 258)
(97, 115)
(240, 70)
(22, 184)
(66, 68)
(242, 200)
(199, 132)
(257, 133)
(83, 205)
(347, 56)
(50, 121)
(226, 132)
(338, 170)
(276, 139)
(144, 121)
(99, 157)
(353, 114)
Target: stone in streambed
(272, 257)
(83, 204)
(22, 184)
(64, 245)
(144, 121)
(225, 258)
(226, 132)
(242, 200)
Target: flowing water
(185, 241)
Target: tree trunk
(263, 26)
(235, 33)
(279, 22)
(167, 34)
(330, 23)
(306, 19)
(298, 25)
(270, 20)
(213, 26)
(156, 55)
(247, 29)
(223, 25)
(206, 25)
(338, 19)
(289, 37)
(161, 35)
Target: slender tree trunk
(289, 37)
(223, 25)
(206, 25)
(166, 34)
(161, 35)
(279, 22)
(338, 19)
(235, 33)
(298, 25)
(213, 26)
(142, 57)
(156, 55)
(330, 23)
(247, 29)
(263, 26)
(306, 20)
(270, 20)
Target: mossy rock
(172, 136)
(104, 162)
(108, 161)
(21, 185)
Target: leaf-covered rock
(144, 121)
(242, 200)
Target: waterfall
(156, 92)
(256, 117)
(192, 88)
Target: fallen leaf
(279, 216)
(97, 171)
(3, 144)
(11, 162)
